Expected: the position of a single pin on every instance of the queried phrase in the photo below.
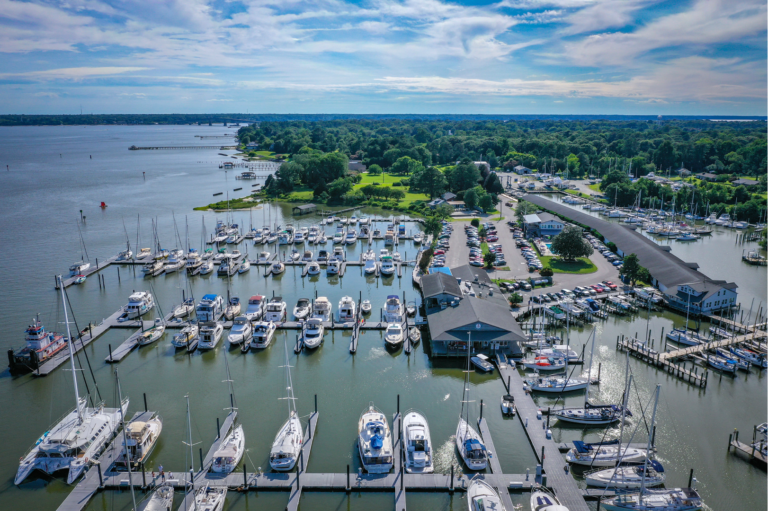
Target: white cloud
(72, 73)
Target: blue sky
(692, 57)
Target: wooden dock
(553, 474)
(722, 343)
(494, 463)
(95, 268)
(751, 450)
(647, 354)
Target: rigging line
(640, 404)
(85, 352)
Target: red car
(439, 252)
(610, 284)
(492, 238)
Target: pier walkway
(546, 450)
(722, 343)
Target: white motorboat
(264, 257)
(210, 308)
(414, 335)
(396, 257)
(481, 496)
(313, 234)
(482, 362)
(338, 236)
(322, 256)
(556, 384)
(153, 268)
(185, 308)
(302, 309)
(245, 265)
(153, 334)
(79, 437)
(307, 257)
(233, 308)
(394, 334)
(370, 267)
(339, 255)
(545, 363)
(141, 436)
(508, 404)
(299, 238)
(351, 237)
(210, 498)
(210, 334)
(277, 268)
(366, 307)
(295, 255)
(263, 332)
(411, 308)
(160, 500)
(605, 454)
(333, 267)
(418, 238)
(255, 307)
(393, 310)
(185, 336)
(139, 303)
(207, 267)
(347, 309)
(313, 333)
(290, 437)
(230, 451)
(383, 253)
(369, 255)
(78, 268)
(544, 500)
(418, 444)
(627, 477)
(724, 219)
(313, 268)
(558, 351)
(276, 310)
(241, 330)
(387, 266)
(322, 308)
(374, 441)
(285, 237)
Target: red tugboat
(41, 345)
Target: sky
(686, 57)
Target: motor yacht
(210, 334)
(153, 268)
(299, 238)
(278, 268)
(508, 404)
(556, 384)
(313, 235)
(139, 303)
(289, 440)
(333, 267)
(365, 307)
(40, 345)
(374, 441)
(347, 309)
(207, 267)
(313, 332)
(295, 255)
(383, 253)
(724, 219)
(338, 236)
(210, 498)
(302, 309)
(394, 335)
(369, 255)
(322, 256)
(230, 452)
(418, 238)
(185, 337)
(307, 257)
(241, 330)
(313, 268)
(627, 477)
(339, 255)
(396, 257)
(245, 265)
(418, 444)
(276, 310)
(233, 308)
(255, 307)
(411, 308)
(481, 496)
(153, 334)
(210, 308)
(141, 436)
(322, 308)
(393, 310)
(387, 266)
(351, 237)
(160, 500)
(263, 332)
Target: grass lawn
(595, 187)
(581, 265)
(388, 180)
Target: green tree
(664, 156)
(426, 255)
(644, 275)
(546, 272)
(471, 199)
(525, 208)
(397, 194)
(612, 246)
(615, 176)
(573, 164)
(406, 165)
(489, 258)
(429, 181)
(570, 244)
(485, 201)
(463, 176)
(443, 211)
(432, 226)
(515, 299)
(631, 268)
(339, 187)
(374, 170)
(475, 222)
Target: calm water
(41, 199)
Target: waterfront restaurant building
(462, 304)
(542, 224)
(685, 288)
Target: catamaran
(468, 441)
(418, 444)
(77, 438)
(290, 438)
(374, 441)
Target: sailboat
(83, 264)
(76, 439)
(683, 335)
(230, 450)
(468, 441)
(290, 438)
(591, 414)
(126, 254)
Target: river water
(52, 178)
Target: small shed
(303, 209)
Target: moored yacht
(263, 332)
(210, 334)
(210, 498)
(210, 308)
(229, 452)
(141, 436)
(605, 454)
(313, 268)
(387, 266)
(333, 267)
(347, 309)
(289, 439)
(160, 500)
(370, 267)
(393, 310)
(241, 330)
(277, 268)
(302, 309)
(152, 334)
(627, 477)
(374, 441)
(471, 446)
(544, 500)
(185, 337)
(255, 307)
(313, 332)
(556, 384)
(481, 496)
(394, 335)
(322, 308)
(40, 346)
(139, 303)
(233, 308)
(276, 310)
(78, 268)
(418, 444)
(351, 237)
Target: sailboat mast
(650, 437)
(71, 354)
(589, 373)
(125, 438)
(189, 428)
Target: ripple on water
(445, 458)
